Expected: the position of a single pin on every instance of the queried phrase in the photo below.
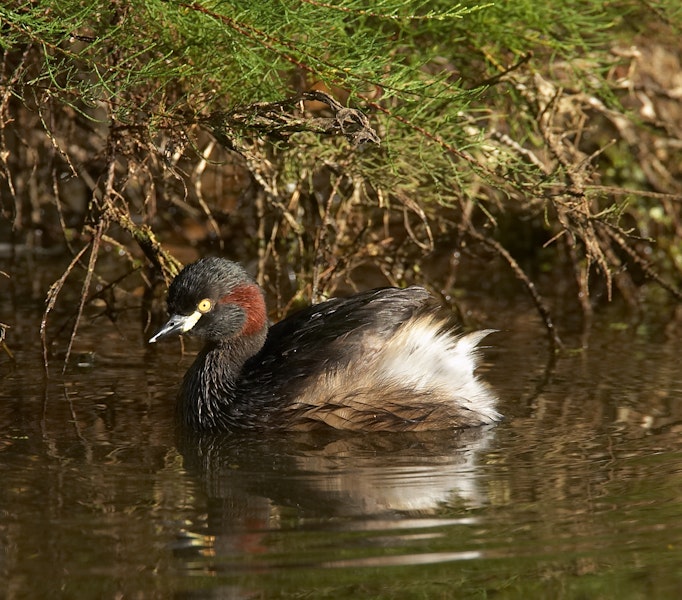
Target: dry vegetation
(324, 164)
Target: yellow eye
(204, 306)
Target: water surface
(577, 494)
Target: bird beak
(176, 325)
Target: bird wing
(328, 335)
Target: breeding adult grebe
(377, 361)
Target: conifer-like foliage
(322, 137)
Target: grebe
(377, 361)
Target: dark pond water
(577, 494)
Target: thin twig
(51, 300)
(641, 262)
(94, 251)
(530, 286)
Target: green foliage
(488, 112)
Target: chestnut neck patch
(250, 298)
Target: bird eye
(204, 306)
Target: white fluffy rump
(420, 378)
(427, 358)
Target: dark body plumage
(347, 363)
